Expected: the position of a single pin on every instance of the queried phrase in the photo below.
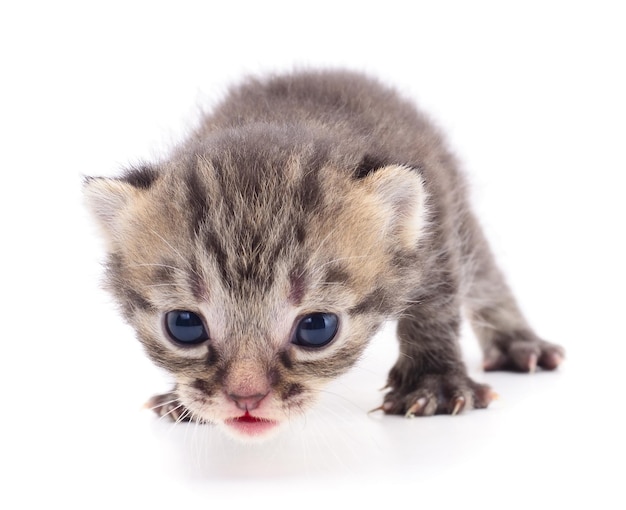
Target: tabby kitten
(259, 258)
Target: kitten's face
(256, 282)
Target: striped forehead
(252, 223)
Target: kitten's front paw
(522, 352)
(167, 405)
(438, 394)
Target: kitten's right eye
(185, 327)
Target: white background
(532, 98)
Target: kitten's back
(358, 112)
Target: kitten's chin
(250, 429)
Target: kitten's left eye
(316, 330)
(185, 327)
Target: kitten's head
(256, 271)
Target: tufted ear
(109, 198)
(400, 198)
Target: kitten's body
(301, 195)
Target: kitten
(257, 261)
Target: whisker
(184, 259)
(202, 448)
(182, 271)
(342, 258)
(170, 411)
(329, 447)
(183, 415)
(408, 356)
(342, 397)
(321, 245)
(162, 285)
(161, 404)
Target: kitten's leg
(168, 405)
(508, 342)
(429, 376)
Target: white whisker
(159, 265)
(161, 404)
(342, 397)
(163, 285)
(184, 259)
(340, 259)
(171, 411)
(183, 415)
(321, 245)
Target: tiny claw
(493, 396)
(415, 408)
(379, 408)
(532, 363)
(458, 405)
(385, 407)
(556, 359)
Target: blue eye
(185, 327)
(316, 330)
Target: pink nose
(247, 402)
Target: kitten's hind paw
(167, 405)
(522, 352)
(438, 394)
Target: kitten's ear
(107, 199)
(400, 200)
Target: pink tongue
(248, 418)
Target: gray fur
(309, 192)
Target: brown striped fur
(300, 193)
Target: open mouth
(251, 425)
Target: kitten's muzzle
(247, 402)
